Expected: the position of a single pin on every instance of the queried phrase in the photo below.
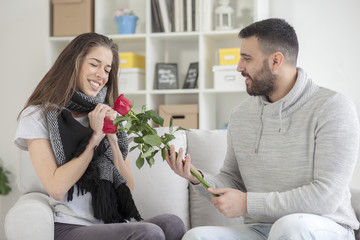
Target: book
(197, 15)
(165, 16)
(192, 75)
(171, 16)
(154, 21)
(182, 14)
(166, 75)
(155, 10)
(189, 15)
(207, 16)
(179, 15)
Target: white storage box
(226, 77)
(131, 79)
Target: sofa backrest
(158, 189)
(207, 149)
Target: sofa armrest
(355, 202)
(30, 218)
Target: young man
(292, 149)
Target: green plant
(4, 181)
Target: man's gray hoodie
(296, 155)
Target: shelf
(61, 39)
(138, 92)
(223, 91)
(182, 48)
(175, 35)
(175, 91)
(128, 37)
(223, 34)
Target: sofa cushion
(207, 149)
(158, 189)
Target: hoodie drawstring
(280, 115)
(260, 128)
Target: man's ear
(277, 59)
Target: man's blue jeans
(298, 226)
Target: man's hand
(177, 165)
(231, 202)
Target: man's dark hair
(274, 35)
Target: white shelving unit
(175, 47)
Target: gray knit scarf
(112, 201)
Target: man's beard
(263, 82)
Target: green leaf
(120, 119)
(171, 125)
(143, 117)
(168, 137)
(145, 147)
(163, 153)
(156, 117)
(135, 127)
(143, 109)
(153, 140)
(140, 161)
(128, 124)
(138, 140)
(155, 152)
(133, 148)
(150, 161)
(181, 128)
(4, 182)
(147, 153)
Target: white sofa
(157, 190)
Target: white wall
(23, 47)
(329, 39)
(328, 32)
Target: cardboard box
(186, 115)
(131, 60)
(229, 56)
(131, 79)
(226, 77)
(72, 17)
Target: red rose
(122, 105)
(109, 127)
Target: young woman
(85, 171)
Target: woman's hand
(111, 114)
(96, 119)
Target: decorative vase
(126, 24)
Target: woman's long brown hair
(58, 84)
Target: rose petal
(109, 127)
(122, 105)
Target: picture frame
(191, 76)
(166, 75)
